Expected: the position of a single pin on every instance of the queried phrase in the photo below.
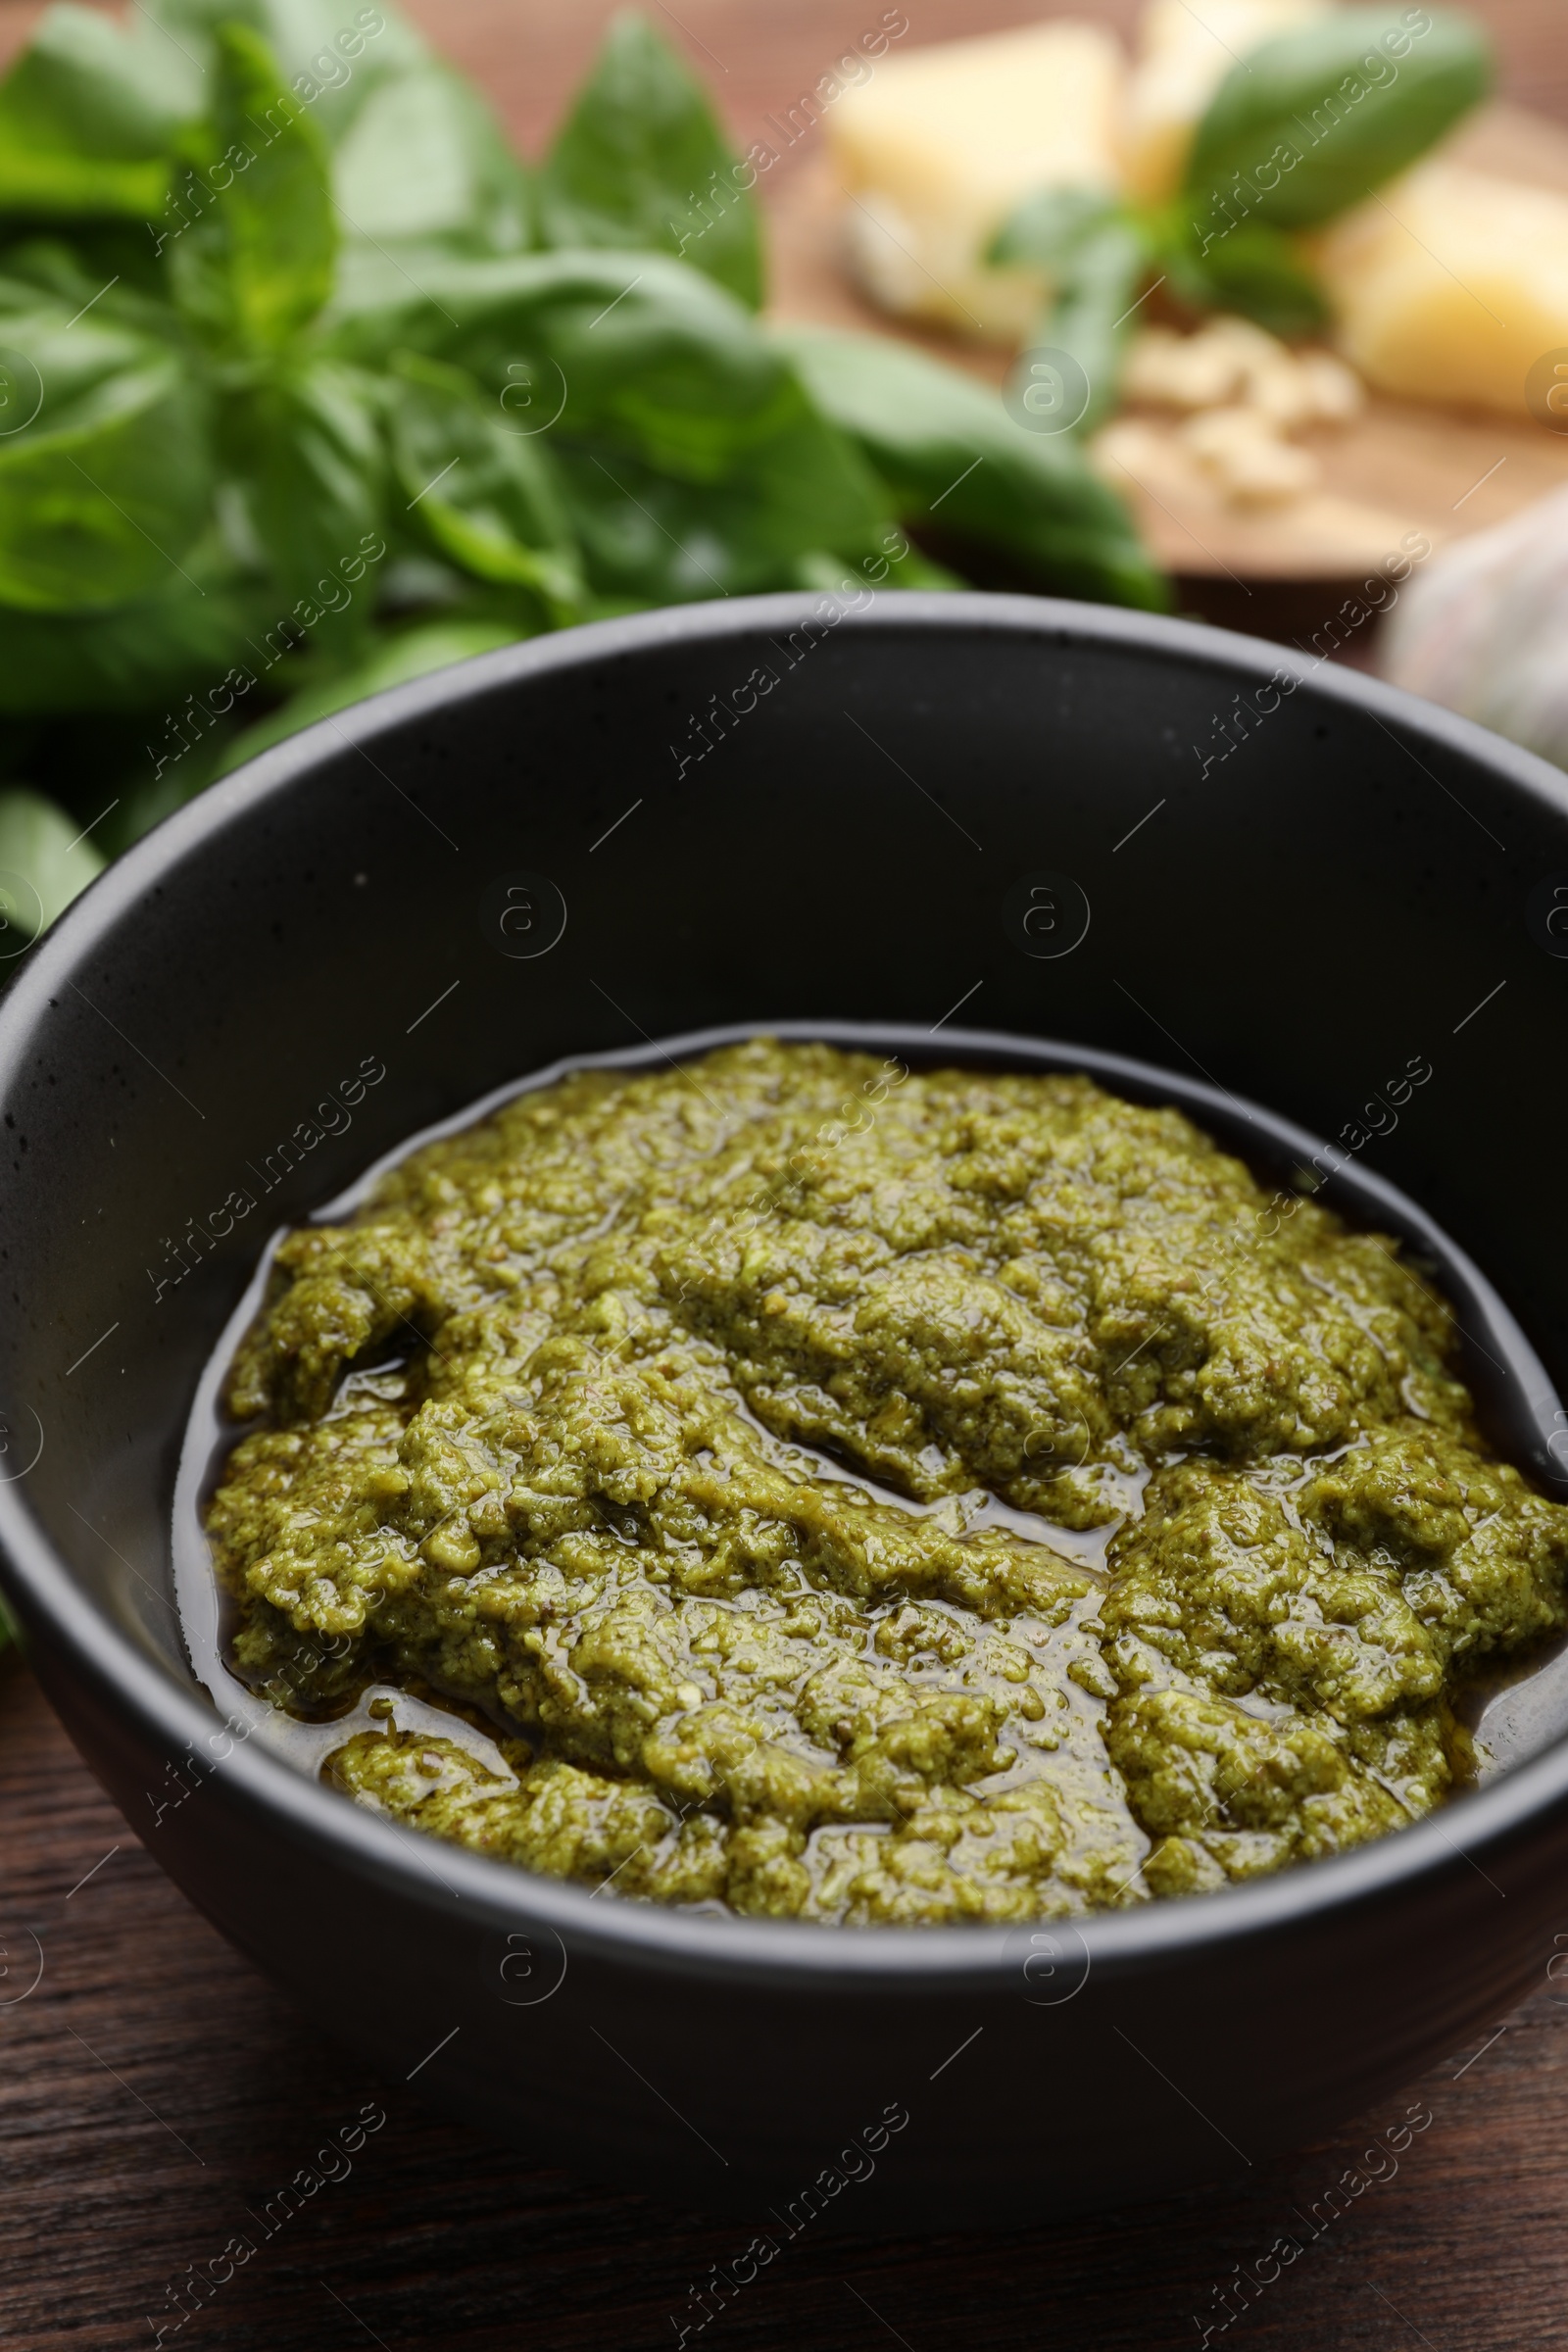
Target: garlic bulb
(1485, 630)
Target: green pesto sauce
(855, 1495)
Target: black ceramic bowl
(1018, 813)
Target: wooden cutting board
(1402, 466)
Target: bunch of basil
(1299, 131)
(308, 385)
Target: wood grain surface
(154, 2090)
(155, 2094)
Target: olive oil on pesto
(856, 1495)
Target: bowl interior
(1019, 814)
(1517, 1711)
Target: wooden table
(154, 2090)
(153, 2087)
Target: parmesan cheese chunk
(942, 144)
(1452, 286)
(1186, 49)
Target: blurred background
(759, 57)
(1332, 411)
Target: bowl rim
(474, 1890)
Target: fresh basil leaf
(954, 459)
(1310, 123)
(1094, 313)
(104, 475)
(641, 353)
(331, 54)
(648, 377)
(410, 653)
(88, 120)
(75, 326)
(906, 567)
(144, 657)
(641, 161)
(1049, 227)
(483, 493)
(45, 862)
(661, 541)
(109, 265)
(425, 161)
(256, 262)
(306, 447)
(1097, 253)
(1252, 268)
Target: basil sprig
(1299, 131)
(308, 383)
(641, 160)
(1311, 122)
